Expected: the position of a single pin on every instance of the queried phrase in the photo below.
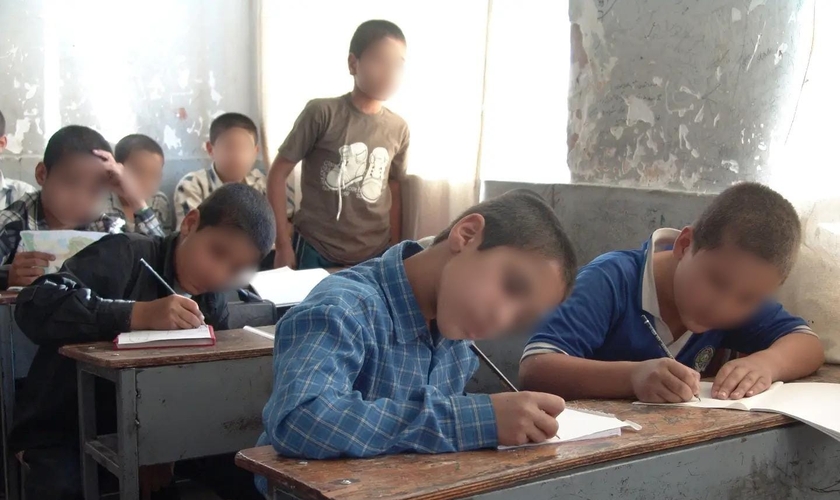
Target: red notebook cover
(165, 344)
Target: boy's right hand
(664, 380)
(169, 313)
(28, 266)
(526, 417)
(284, 255)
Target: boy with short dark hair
(11, 190)
(143, 158)
(233, 146)
(376, 359)
(353, 151)
(105, 290)
(74, 177)
(706, 287)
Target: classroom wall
(598, 219)
(161, 68)
(689, 95)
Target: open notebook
(153, 339)
(578, 425)
(286, 287)
(812, 403)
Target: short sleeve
(399, 165)
(581, 324)
(768, 325)
(305, 133)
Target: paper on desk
(286, 287)
(579, 425)
(147, 336)
(62, 243)
(707, 401)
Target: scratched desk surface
(457, 475)
(230, 344)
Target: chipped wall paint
(169, 86)
(682, 95)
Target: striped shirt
(27, 214)
(11, 190)
(154, 220)
(358, 373)
(196, 186)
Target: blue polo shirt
(602, 319)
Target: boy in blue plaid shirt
(376, 359)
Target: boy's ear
(469, 230)
(4, 141)
(682, 245)
(40, 173)
(190, 223)
(209, 147)
(352, 64)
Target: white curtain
(807, 171)
(475, 73)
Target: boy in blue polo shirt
(706, 287)
(375, 360)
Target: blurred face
(147, 168)
(234, 154)
(721, 287)
(72, 190)
(486, 293)
(379, 69)
(212, 259)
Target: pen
(156, 275)
(659, 339)
(493, 367)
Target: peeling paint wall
(160, 68)
(688, 94)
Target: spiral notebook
(813, 403)
(202, 336)
(580, 425)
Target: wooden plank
(457, 475)
(230, 344)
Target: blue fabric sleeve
(581, 324)
(314, 411)
(768, 325)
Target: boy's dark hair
(135, 142)
(370, 32)
(227, 121)
(240, 207)
(756, 219)
(73, 139)
(2, 124)
(521, 219)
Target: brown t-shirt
(348, 158)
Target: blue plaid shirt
(358, 373)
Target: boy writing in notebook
(353, 151)
(233, 146)
(376, 359)
(105, 290)
(142, 157)
(706, 287)
(11, 190)
(76, 172)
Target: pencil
(659, 339)
(493, 367)
(156, 275)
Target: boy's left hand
(743, 377)
(121, 181)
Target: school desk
(679, 453)
(172, 404)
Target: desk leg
(127, 434)
(87, 431)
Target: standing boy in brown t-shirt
(354, 155)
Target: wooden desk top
(230, 344)
(458, 475)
